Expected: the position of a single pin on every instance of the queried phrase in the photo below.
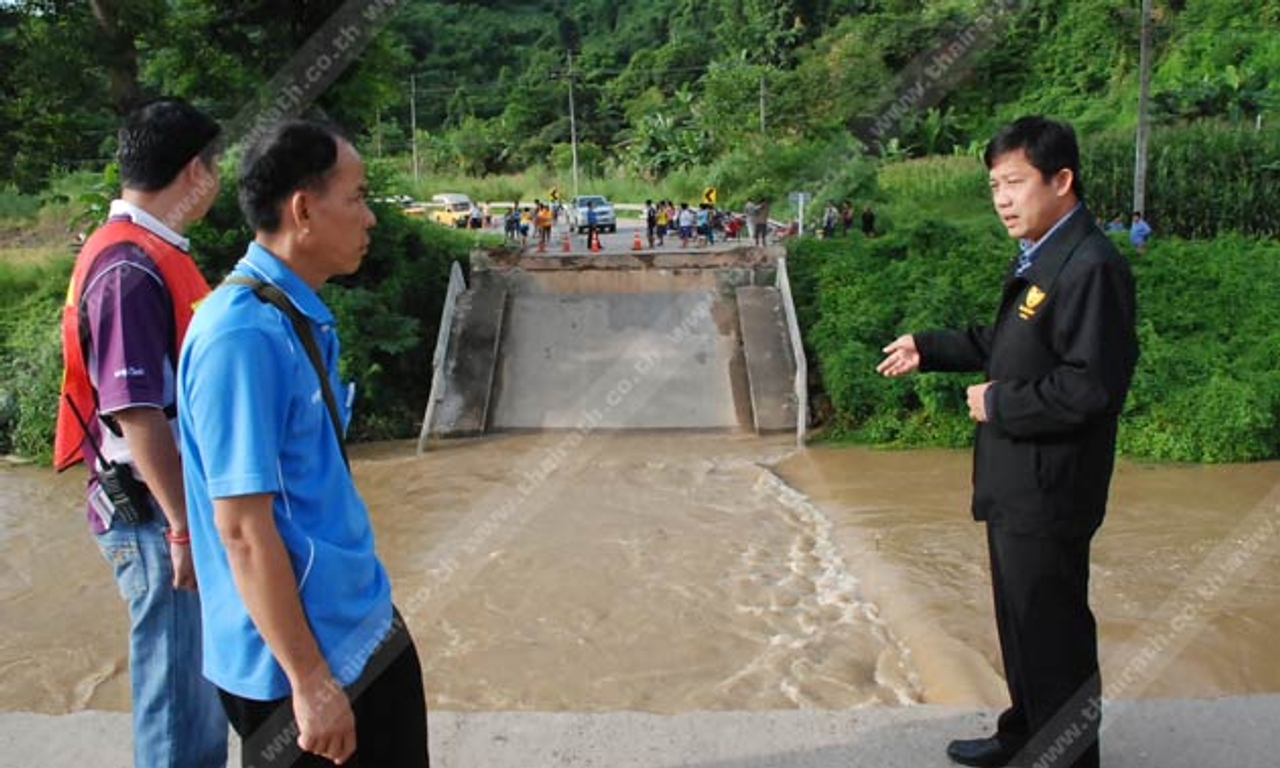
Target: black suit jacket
(1061, 354)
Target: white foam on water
(836, 587)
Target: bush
(856, 295)
(17, 207)
(31, 355)
(1207, 386)
(828, 168)
(387, 313)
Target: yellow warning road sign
(709, 195)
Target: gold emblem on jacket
(1034, 298)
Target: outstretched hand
(901, 356)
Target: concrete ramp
(654, 360)
(770, 361)
(462, 407)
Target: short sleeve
(237, 392)
(130, 320)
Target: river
(671, 572)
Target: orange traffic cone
(565, 245)
(595, 241)
(636, 245)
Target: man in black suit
(1057, 361)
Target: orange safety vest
(186, 288)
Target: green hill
(658, 86)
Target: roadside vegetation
(1207, 386)
(752, 98)
(389, 310)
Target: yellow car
(450, 209)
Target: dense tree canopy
(659, 85)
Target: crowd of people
(697, 225)
(843, 218)
(520, 221)
(703, 225)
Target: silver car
(606, 221)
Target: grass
(15, 206)
(37, 239)
(950, 188)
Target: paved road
(1238, 732)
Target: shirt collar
(266, 266)
(139, 216)
(1030, 247)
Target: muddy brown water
(674, 572)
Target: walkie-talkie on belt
(128, 494)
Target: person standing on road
(762, 222)
(511, 223)
(593, 235)
(301, 635)
(749, 212)
(703, 219)
(131, 296)
(662, 220)
(686, 222)
(868, 221)
(1058, 361)
(543, 219)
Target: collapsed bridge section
(646, 341)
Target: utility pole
(1144, 94)
(573, 127)
(762, 104)
(413, 125)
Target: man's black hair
(1050, 146)
(293, 155)
(159, 138)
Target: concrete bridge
(701, 339)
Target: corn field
(1202, 180)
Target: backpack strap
(268, 293)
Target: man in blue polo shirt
(1139, 232)
(299, 628)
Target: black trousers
(387, 700)
(1049, 645)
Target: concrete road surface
(1237, 732)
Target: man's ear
(1063, 181)
(298, 208)
(193, 171)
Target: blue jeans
(177, 716)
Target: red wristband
(178, 538)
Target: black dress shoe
(983, 753)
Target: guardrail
(457, 284)
(801, 382)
